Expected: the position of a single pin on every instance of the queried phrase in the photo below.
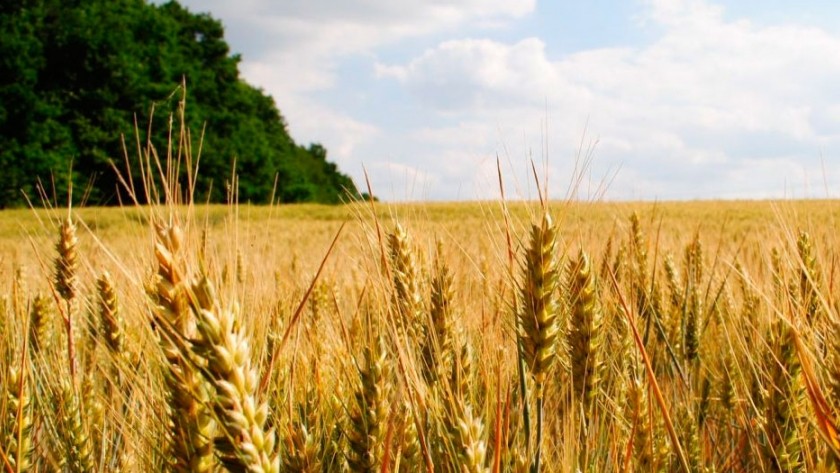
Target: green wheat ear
(19, 446)
(585, 332)
(809, 273)
(784, 394)
(537, 317)
(78, 448)
(369, 410)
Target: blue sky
(663, 99)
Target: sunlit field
(447, 337)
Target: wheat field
(457, 337)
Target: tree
(75, 75)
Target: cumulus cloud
(313, 35)
(710, 107)
(478, 73)
(706, 104)
(294, 49)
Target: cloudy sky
(660, 99)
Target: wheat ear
(784, 395)
(809, 283)
(245, 444)
(438, 344)
(109, 315)
(369, 412)
(67, 262)
(191, 447)
(78, 448)
(66, 281)
(408, 300)
(538, 315)
(301, 448)
(585, 333)
(469, 434)
(19, 445)
(39, 324)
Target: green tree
(75, 75)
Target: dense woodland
(77, 75)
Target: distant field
(404, 350)
(723, 222)
(473, 231)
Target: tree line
(76, 75)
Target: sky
(607, 100)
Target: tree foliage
(75, 75)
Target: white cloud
(294, 48)
(681, 14)
(694, 113)
(478, 73)
(305, 38)
(708, 106)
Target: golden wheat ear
(469, 438)
(437, 349)
(109, 315)
(66, 282)
(67, 261)
(191, 426)
(301, 449)
(244, 443)
(408, 299)
(40, 324)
